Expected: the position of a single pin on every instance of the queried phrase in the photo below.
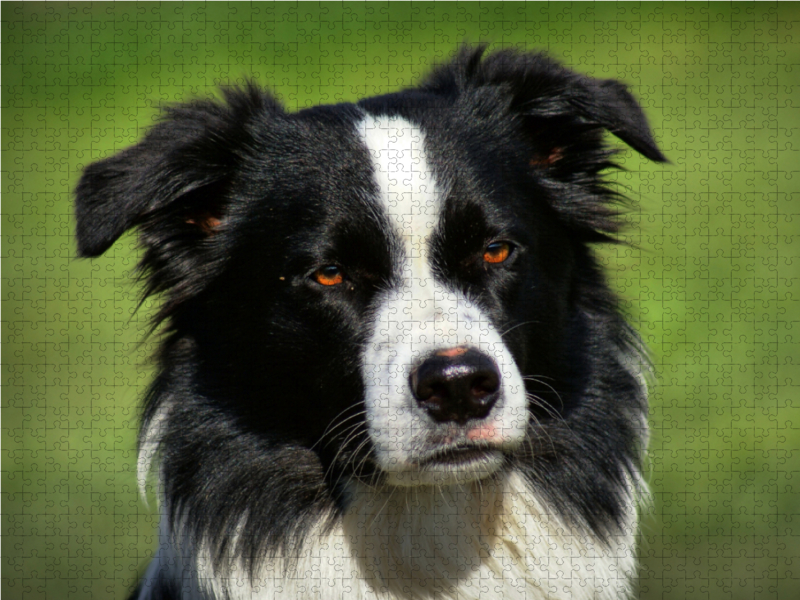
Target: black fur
(236, 202)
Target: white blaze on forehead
(408, 190)
(412, 199)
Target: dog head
(399, 290)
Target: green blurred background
(711, 279)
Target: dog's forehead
(428, 187)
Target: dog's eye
(328, 275)
(497, 252)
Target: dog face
(399, 291)
(443, 395)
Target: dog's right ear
(173, 183)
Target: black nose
(456, 384)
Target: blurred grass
(711, 278)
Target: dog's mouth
(459, 456)
(448, 464)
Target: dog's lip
(461, 454)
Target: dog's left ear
(562, 109)
(609, 104)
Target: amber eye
(330, 275)
(497, 252)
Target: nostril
(484, 385)
(431, 391)
(439, 393)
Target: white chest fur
(483, 540)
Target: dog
(390, 365)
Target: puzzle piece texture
(710, 278)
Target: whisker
(358, 466)
(512, 328)
(540, 403)
(535, 379)
(536, 432)
(350, 436)
(334, 424)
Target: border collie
(391, 367)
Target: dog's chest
(483, 540)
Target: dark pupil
(330, 272)
(495, 247)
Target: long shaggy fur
(297, 455)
